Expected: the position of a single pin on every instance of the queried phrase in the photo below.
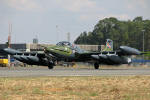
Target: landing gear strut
(96, 65)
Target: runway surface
(61, 71)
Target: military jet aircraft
(65, 51)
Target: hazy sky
(51, 20)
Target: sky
(51, 20)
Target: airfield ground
(42, 71)
(39, 83)
(76, 88)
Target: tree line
(129, 33)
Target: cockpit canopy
(64, 43)
(68, 44)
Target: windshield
(64, 43)
(72, 46)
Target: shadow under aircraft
(67, 52)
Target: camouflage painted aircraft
(67, 52)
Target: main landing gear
(50, 65)
(96, 65)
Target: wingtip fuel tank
(129, 51)
(11, 51)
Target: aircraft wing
(88, 55)
(122, 51)
(31, 58)
(17, 52)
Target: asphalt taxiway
(61, 71)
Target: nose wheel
(96, 65)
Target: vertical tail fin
(109, 45)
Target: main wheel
(96, 65)
(50, 66)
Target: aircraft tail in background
(109, 45)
